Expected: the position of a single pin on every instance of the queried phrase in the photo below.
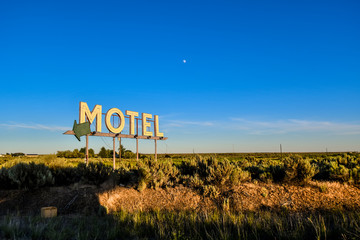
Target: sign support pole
(87, 150)
(155, 150)
(114, 153)
(137, 140)
(119, 149)
(137, 149)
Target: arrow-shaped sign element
(81, 129)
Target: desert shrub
(266, 177)
(352, 163)
(277, 173)
(355, 175)
(330, 169)
(243, 163)
(238, 175)
(227, 173)
(220, 173)
(94, 173)
(155, 174)
(339, 172)
(5, 181)
(30, 176)
(338, 168)
(202, 165)
(188, 168)
(298, 169)
(203, 171)
(126, 175)
(323, 169)
(210, 191)
(251, 158)
(256, 171)
(65, 175)
(194, 181)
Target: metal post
(137, 149)
(281, 152)
(137, 140)
(114, 153)
(87, 150)
(119, 149)
(155, 150)
(155, 130)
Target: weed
(264, 192)
(323, 188)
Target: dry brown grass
(89, 199)
(179, 198)
(244, 197)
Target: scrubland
(219, 196)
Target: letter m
(84, 111)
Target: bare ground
(88, 199)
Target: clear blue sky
(257, 73)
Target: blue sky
(257, 73)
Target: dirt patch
(178, 198)
(314, 196)
(88, 199)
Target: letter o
(108, 120)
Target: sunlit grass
(186, 225)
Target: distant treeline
(103, 153)
(17, 154)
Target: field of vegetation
(181, 196)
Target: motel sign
(115, 130)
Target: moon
(184, 61)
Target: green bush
(339, 172)
(127, 175)
(224, 172)
(238, 176)
(277, 173)
(193, 181)
(208, 171)
(266, 177)
(355, 175)
(323, 169)
(188, 168)
(256, 171)
(5, 181)
(298, 169)
(65, 175)
(338, 168)
(30, 176)
(94, 173)
(155, 174)
(210, 191)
